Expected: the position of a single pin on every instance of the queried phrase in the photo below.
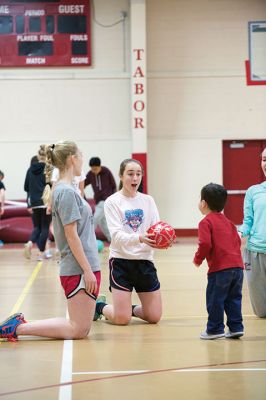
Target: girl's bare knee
(153, 318)
(122, 319)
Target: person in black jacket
(34, 186)
(2, 194)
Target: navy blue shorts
(127, 275)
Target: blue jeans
(224, 294)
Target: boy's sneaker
(234, 335)
(27, 250)
(100, 299)
(210, 336)
(9, 326)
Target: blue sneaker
(9, 326)
(100, 299)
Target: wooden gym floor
(139, 361)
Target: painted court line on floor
(110, 372)
(177, 370)
(25, 291)
(201, 317)
(65, 392)
(121, 376)
(26, 288)
(221, 370)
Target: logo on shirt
(134, 218)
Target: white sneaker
(210, 336)
(48, 254)
(40, 257)
(234, 335)
(27, 250)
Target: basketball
(163, 234)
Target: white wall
(178, 170)
(88, 105)
(197, 97)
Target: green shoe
(100, 299)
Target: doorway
(241, 169)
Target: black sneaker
(100, 299)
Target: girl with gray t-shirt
(79, 265)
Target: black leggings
(41, 223)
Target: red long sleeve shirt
(219, 243)
(103, 184)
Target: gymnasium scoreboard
(45, 33)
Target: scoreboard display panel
(45, 33)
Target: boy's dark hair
(215, 196)
(95, 162)
(2, 175)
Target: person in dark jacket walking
(34, 186)
(103, 185)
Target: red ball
(163, 234)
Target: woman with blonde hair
(79, 264)
(34, 185)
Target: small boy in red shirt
(220, 244)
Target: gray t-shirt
(68, 206)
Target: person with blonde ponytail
(34, 185)
(79, 265)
